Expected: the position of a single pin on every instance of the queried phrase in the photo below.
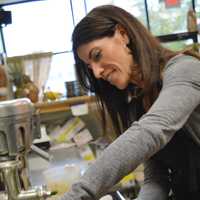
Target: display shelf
(62, 105)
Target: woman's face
(109, 59)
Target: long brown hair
(146, 50)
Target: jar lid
(16, 107)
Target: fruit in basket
(50, 95)
(24, 86)
(27, 89)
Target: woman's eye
(97, 56)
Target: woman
(152, 95)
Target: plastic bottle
(191, 20)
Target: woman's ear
(122, 31)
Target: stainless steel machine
(18, 128)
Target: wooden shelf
(62, 105)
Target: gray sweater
(176, 106)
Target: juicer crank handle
(41, 152)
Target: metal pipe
(9, 170)
(38, 193)
(11, 179)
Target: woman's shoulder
(182, 66)
(181, 59)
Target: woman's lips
(109, 77)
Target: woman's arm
(179, 97)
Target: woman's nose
(97, 70)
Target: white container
(61, 178)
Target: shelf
(62, 105)
(179, 36)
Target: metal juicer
(19, 126)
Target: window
(79, 10)
(42, 26)
(136, 7)
(39, 26)
(178, 45)
(166, 20)
(62, 70)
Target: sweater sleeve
(178, 98)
